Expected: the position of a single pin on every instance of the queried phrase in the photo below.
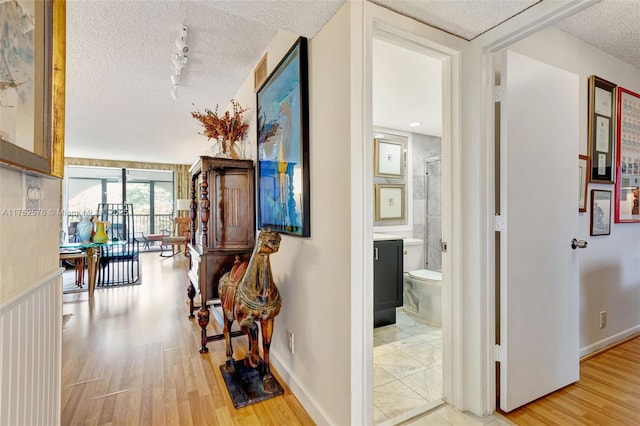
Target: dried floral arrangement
(229, 127)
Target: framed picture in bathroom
(389, 157)
(390, 202)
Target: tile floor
(407, 377)
(407, 369)
(449, 416)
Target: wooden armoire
(222, 230)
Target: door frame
(486, 47)
(468, 317)
(385, 24)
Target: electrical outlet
(290, 339)
(603, 319)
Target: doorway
(407, 94)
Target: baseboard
(609, 341)
(309, 404)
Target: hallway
(131, 357)
(608, 393)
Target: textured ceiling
(612, 26)
(119, 53)
(119, 60)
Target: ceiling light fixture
(415, 124)
(175, 78)
(179, 60)
(181, 42)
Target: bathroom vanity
(387, 278)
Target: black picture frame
(602, 123)
(283, 145)
(600, 212)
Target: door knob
(578, 244)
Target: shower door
(433, 222)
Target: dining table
(85, 253)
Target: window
(150, 191)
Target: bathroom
(407, 181)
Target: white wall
(313, 273)
(610, 266)
(30, 304)
(29, 248)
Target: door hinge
(499, 353)
(498, 224)
(498, 93)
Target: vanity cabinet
(387, 281)
(222, 216)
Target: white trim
(302, 395)
(361, 318)
(30, 288)
(481, 53)
(609, 340)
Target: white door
(538, 268)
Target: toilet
(422, 292)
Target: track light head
(182, 46)
(181, 42)
(179, 61)
(175, 79)
(174, 92)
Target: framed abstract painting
(283, 145)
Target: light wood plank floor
(608, 393)
(131, 357)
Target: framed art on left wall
(32, 86)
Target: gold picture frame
(390, 202)
(45, 88)
(389, 158)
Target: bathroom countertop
(383, 237)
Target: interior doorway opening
(407, 106)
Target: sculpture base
(245, 384)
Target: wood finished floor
(131, 357)
(607, 394)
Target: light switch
(32, 192)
